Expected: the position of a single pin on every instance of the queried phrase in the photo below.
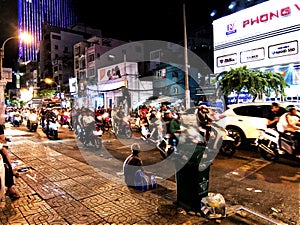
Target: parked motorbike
(51, 128)
(123, 128)
(273, 145)
(32, 122)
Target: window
(175, 74)
(91, 72)
(57, 37)
(253, 110)
(77, 51)
(56, 47)
(91, 58)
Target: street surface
(269, 189)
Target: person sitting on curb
(134, 173)
(9, 173)
(132, 164)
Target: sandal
(16, 174)
(14, 195)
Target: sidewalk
(56, 189)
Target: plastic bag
(213, 206)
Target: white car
(244, 119)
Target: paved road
(271, 189)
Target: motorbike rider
(175, 130)
(289, 122)
(273, 116)
(88, 121)
(50, 116)
(118, 117)
(33, 116)
(204, 122)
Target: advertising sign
(263, 35)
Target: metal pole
(2, 88)
(187, 89)
(3, 81)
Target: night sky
(149, 20)
(124, 20)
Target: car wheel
(237, 136)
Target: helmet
(135, 148)
(203, 108)
(289, 108)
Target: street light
(58, 87)
(3, 80)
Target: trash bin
(192, 181)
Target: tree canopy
(255, 82)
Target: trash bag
(213, 206)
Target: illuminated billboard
(264, 35)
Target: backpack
(144, 182)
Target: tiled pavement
(57, 189)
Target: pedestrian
(9, 173)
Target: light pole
(4, 80)
(58, 87)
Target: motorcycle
(104, 121)
(166, 146)
(90, 137)
(220, 140)
(32, 122)
(51, 128)
(273, 145)
(123, 128)
(225, 139)
(17, 120)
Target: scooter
(273, 145)
(32, 122)
(220, 140)
(123, 129)
(52, 130)
(90, 138)
(17, 120)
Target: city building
(32, 14)
(56, 53)
(264, 37)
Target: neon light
(33, 13)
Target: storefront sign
(226, 60)
(252, 55)
(284, 49)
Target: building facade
(264, 37)
(32, 14)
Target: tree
(46, 93)
(255, 82)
